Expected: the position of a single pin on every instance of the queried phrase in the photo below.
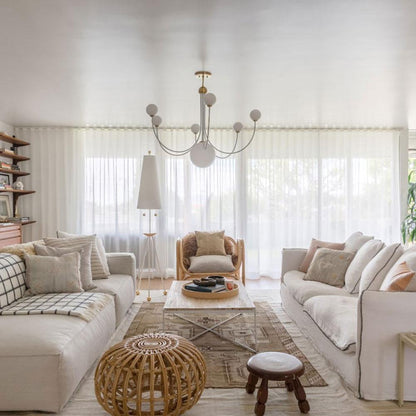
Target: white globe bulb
(151, 109)
(195, 128)
(237, 127)
(202, 155)
(210, 99)
(255, 115)
(157, 121)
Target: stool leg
(289, 384)
(251, 383)
(301, 396)
(261, 398)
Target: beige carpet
(226, 362)
(333, 400)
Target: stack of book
(5, 165)
(206, 289)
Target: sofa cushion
(122, 287)
(97, 268)
(12, 279)
(302, 290)
(83, 249)
(48, 274)
(409, 256)
(399, 280)
(211, 264)
(329, 266)
(336, 317)
(375, 272)
(355, 241)
(99, 244)
(363, 256)
(315, 244)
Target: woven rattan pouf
(150, 374)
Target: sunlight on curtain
(290, 185)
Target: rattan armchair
(187, 247)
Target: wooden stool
(279, 367)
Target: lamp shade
(149, 192)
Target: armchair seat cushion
(336, 317)
(211, 264)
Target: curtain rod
(212, 128)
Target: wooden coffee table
(178, 304)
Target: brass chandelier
(203, 151)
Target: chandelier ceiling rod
(202, 150)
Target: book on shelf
(5, 165)
(206, 289)
(8, 151)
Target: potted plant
(409, 223)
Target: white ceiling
(301, 62)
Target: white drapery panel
(290, 185)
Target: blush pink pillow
(315, 244)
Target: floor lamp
(149, 199)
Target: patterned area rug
(226, 362)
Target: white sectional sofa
(356, 333)
(44, 357)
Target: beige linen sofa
(44, 357)
(356, 333)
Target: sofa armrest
(292, 258)
(381, 317)
(122, 263)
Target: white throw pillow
(355, 241)
(54, 274)
(211, 264)
(409, 256)
(83, 249)
(364, 255)
(98, 245)
(375, 272)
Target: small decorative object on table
(150, 374)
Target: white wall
(6, 128)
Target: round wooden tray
(205, 295)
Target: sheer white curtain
(290, 185)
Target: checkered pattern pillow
(12, 282)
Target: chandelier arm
(245, 147)
(226, 153)
(164, 147)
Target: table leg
(401, 372)
(262, 395)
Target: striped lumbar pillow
(97, 269)
(399, 280)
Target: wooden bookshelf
(16, 158)
(13, 140)
(14, 172)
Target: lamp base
(153, 264)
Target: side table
(409, 339)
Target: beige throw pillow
(355, 241)
(97, 269)
(315, 244)
(83, 249)
(363, 256)
(53, 274)
(99, 244)
(375, 272)
(210, 243)
(211, 264)
(329, 266)
(20, 249)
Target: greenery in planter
(409, 223)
